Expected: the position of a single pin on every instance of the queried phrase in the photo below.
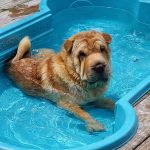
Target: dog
(75, 76)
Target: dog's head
(89, 54)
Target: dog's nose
(99, 67)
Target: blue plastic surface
(32, 123)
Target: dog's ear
(68, 45)
(107, 38)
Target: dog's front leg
(92, 125)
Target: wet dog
(77, 75)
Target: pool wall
(121, 4)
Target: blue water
(38, 124)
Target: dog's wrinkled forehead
(89, 42)
(92, 36)
(88, 38)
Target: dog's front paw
(95, 126)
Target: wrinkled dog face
(90, 54)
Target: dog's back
(24, 70)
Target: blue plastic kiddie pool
(37, 124)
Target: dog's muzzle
(99, 73)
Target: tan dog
(78, 74)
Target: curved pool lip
(123, 135)
(130, 125)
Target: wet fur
(53, 76)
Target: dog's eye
(102, 48)
(82, 55)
